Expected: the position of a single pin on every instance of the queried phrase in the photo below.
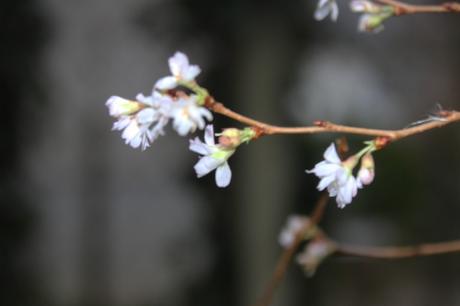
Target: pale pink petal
(331, 155)
(324, 169)
(354, 187)
(209, 135)
(223, 175)
(326, 181)
(347, 192)
(147, 116)
(134, 142)
(365, 176)
(148, 100)
(358, 6)
(121, 123)
(131, 131)
(334, 11)
(321, 12)
(342, 176)
(166, 83)
(205, 165)
(177, 63)
(190, 73)
(183, 127)
(199, 147)
(332, 190)
(113, 103)
(322, 3)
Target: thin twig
(262, 128)
(286, 256)
(399, 252)
(402, 8)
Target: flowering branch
(262, 128)
(399, 252)
(286, 256)
(401, 8)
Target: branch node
(382, 141)
(451, 6)
(400, 10)
(321, 123)
(209, 102)
(259, 132)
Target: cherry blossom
(214, 157)
(337, 176)
(181, 70)
(142, 121)
(294, 225)
(188, 115)
(325, 8)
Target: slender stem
(400, 252)
(402, 8)
(262, 128)
(286, 256)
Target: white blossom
(294, 225)
(213, 157)
(140, 126)
(366, 172)
(119, 106)
(314, 254)
(325, 8)
(370, 23)
(337, 177)
(365, 176)
(181, 70)
(188, 115)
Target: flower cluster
(295, 224)
(215, 156)
(373, 14)
(144, 119)
(337, 176)
(314, 254)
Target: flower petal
(209, 135)
(332, 190)
(148, 100)
(324, 169)
(178, 63)
(135, 142)
(223, 175)
(206, 164)
(321, 12)
(121, 123)
(147, 116)
(331, 155)
(347, 192)
(199, 147)
(322, 3)
(166, 83)
(342, 176)
(190, 73)
(325, 182)
(131, 131)
(334, 11)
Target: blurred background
(86, 220)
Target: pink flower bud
(366, 173)
(366, 176)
